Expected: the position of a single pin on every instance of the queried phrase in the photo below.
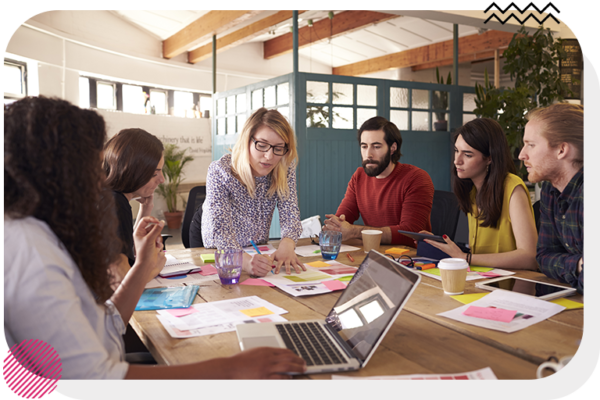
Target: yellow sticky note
(397, 251)
(257, 312)
(210, 257)
(318, 264)
(469, 298)
(569, 304)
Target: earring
(487, 168)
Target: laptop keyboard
(309, 341)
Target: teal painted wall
(328, 156)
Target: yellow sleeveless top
(486, 240)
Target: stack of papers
(173, 266)
(266, 249)
(504, 311)
(484, 373)
(315, 250)
(218, 316)
(315, 280)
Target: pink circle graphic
(32, 369)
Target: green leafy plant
(175, 160)
(440, 98)
(533, 64)
(318, 116)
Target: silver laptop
(355, 326)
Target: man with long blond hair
(553, 152)
(243, 188)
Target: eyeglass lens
(264, 147)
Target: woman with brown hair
(59, 245)
(244, 187)
(133, 162)
(502, 229)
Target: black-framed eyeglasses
(408, 261)
(264, 147)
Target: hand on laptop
(266, 363)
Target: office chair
(444, 214)
(536, 215)
(195, 200)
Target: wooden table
(420, 342)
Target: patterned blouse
(231, 217)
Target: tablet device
(420, 236)
(541, 290)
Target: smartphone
(420, 236)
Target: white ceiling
(391, 36)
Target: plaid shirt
(560, 243)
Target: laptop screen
(371, 302)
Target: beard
(382, 164)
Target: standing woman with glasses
(242, 190)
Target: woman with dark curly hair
(133, 162)
(59, 224)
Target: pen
(350, 257)
(258, 251)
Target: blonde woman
(242, 190)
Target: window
(158, 101)
(106, 95)
(15, 80)
(84, 92)
(184, 104)
(134, 99)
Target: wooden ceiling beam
(211, 23)
(475, 57)
(342, 23)
(240, 36)
(436, 52)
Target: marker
(350, 257)
(426, 266)
(258, 251)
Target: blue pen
(258, 251)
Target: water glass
(229, 265)
(330, 243)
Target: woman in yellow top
(502, 229)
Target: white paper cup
(454, 275)
(371, 240)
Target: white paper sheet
(314, 250)
(529, 311)
(211, 330)
(484, 373)
(265, 249)
(182, 280)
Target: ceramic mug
(553, 366)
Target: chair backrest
(444, 213)
(536, 215)
(195, 200)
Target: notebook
(167, 297)
(355, 326)
(173, 267)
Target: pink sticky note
(208, 270)
(180, 312)
(256, 282)
(495, 314)
(489, 274)
(334, 285)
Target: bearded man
(389, 196)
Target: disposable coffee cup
(371, 240)
(454, 275)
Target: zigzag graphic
(512, 15)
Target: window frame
(23, 66)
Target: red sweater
(402, 201)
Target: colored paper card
(180, 312)
(345, 278)
(257, 312)
(481, 269)
(491, 313)
(489, 274)
(339, 270)
(334, 285)
(318, 264)
(208, 257)
(208, 270)
(256, 282)
(307, 276)
(396, 251)
(469, 298)
(569, 304)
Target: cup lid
(371, 232)
(453, 263)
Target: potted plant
(533, 62)
(175, 160)
(440, 102)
